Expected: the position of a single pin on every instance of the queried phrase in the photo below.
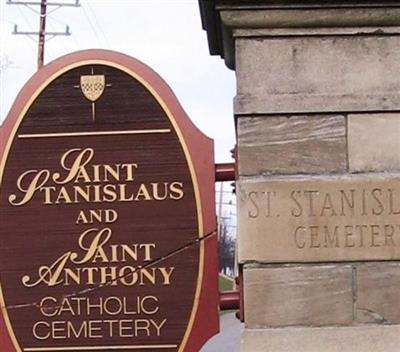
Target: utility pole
(221, 199)
(42, 33)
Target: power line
(24, 17)
(35, 3)
(91, 25)
(98, 23)
(52, 27)
(28, 39)
(65, 24)
(7, 21)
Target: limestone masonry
(318, 127)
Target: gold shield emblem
(93, 86)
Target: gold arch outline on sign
(182, 141)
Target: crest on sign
(93, 86)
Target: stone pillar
(318, 126)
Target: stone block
(378, 293)
(374, 142)
(292, 145)
(319, 218)
(327, 339)
(298, 296)
(317, 74)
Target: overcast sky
(165, 34)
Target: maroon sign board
(107, 221)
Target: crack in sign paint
(173, 253)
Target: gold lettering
(149, 274)
(43, 335)
(127, 273)
(122, 194)
(48, 310)
(49, 275)
(142, 324)
(143, 192)
(109, 275)
(90, 274)
(58, 330)
(110, 193)
(129, 171)
(82, 219)
(95, 331)
(47, 194)
(111, 326)
(115, 301)
(85, 194)
(77, 169)
(166, 273)
(156, 190)
(63, 197)
(38, 181)
(100, 239)
(113, 171)
(147, 250)
(124, 327)
(77, 333)
(130, 250)
(145, 309)
(158, 326)
(66, 308)
(70, 274)
(176, 189)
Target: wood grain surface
(163, 205)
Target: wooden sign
(107, 229)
